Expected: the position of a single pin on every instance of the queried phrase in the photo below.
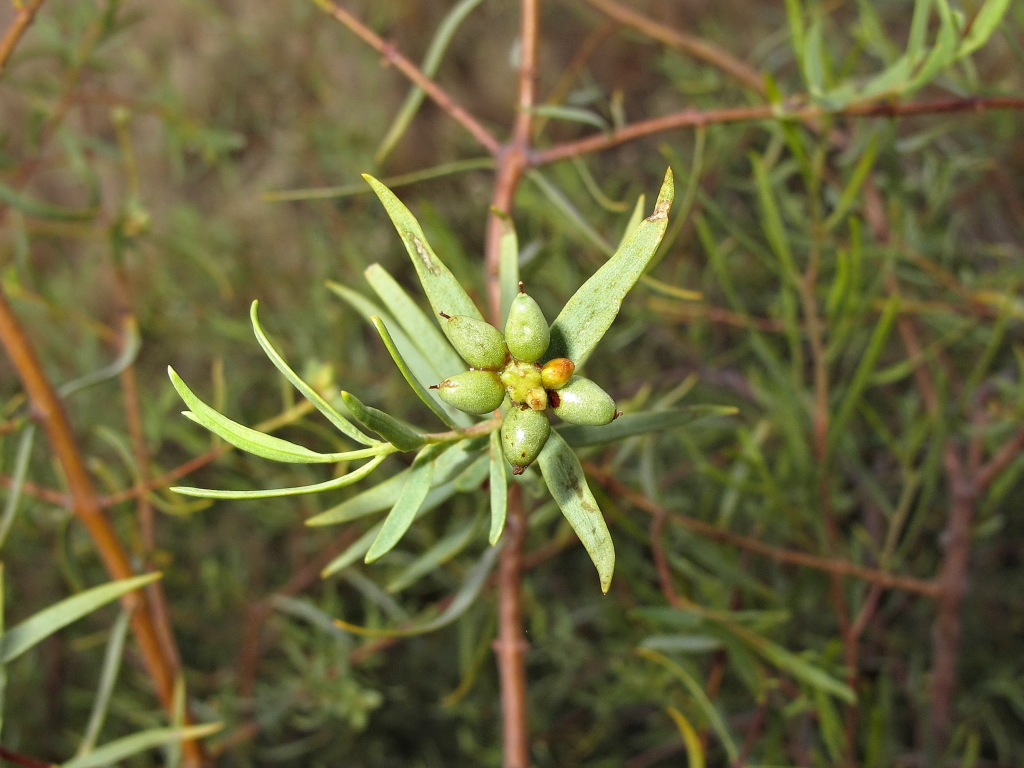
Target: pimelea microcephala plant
(527, 369)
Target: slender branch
(49, 411)
(414, 74)
(16, 31)
(779, 554)
(25, 760)
(692, 118)
(695, 46)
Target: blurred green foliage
(137, 143)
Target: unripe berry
(556, 373)
(480, 344)
(473, 391)
(523, 434)
(526, 330)
(581, 401)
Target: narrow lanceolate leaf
(443, 291)
(383, 495)
(414, 492)
(328, 410)
(422, 331)
(986, 21)
(328, 485)
(568, 485)
(49, 620)
(642, 423)
(586, 317)
(257, 443)
(391, 429)
(498, 488)
(407, 374)
(121, 749)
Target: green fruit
(480, 344)
(520, 379)
(526, 331)
(473, 391)
(581, 401)
(523, 434)
(556, 373)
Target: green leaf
(107, 678)
(54, 618)
(413, 494)
(391, 429)
(254, 442)
(118, 750)
(443, 291)
(329, 411)
(984, 24)
(642, 423)
(508, 263)
(407, 374)
(570, 213)
(39, 209)
(437, 555)
(568, 485)
(422, 331)
(586, 317)
(498, 488)
(383, 495)
(328, 485)
(572, 114)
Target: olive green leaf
(118, 750)
(252, 441)
(403, 367)
(443, 291)
(498, 488)
(421, 330)
(41, 625)
(328, 485)
(440, 553)
(332, 414)
(568, 485)
(391, 429)
(383, 495)
(586, 317)
(413, 494)
(642, 423)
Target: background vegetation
(830, 577)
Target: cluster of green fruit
(508, 365)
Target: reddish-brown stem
(49, 411)
(15, 32)
(510, 647)
(415, 75)
(694, 46)
(692, 118)
(19, 759)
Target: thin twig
(16, 31)
(695, 46)
(414, 74)
(692, 118)
(49, 412)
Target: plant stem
(49, 412)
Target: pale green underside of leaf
(328, 485)
(329, 411)
(49, 620)
(498, 467)
(400, 435)
(568, 486)
(383, 495)
(586, 317)
(645, 422)
(411, 498)
(443, 291)
(121, 749)
(252, 441)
